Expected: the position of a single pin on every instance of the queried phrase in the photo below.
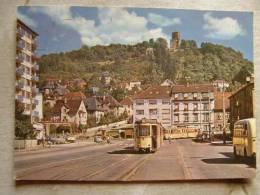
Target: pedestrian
(108, 139)
(170, 139)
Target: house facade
(153, 103)
(218, 109)
(193, 106)
(26, 69)
(72, 111)
(95, 108)
(242, 103)
(127, 105)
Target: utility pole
(224, 115)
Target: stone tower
(175, 41)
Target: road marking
(102, 170)
(186, 171)
(126, 176)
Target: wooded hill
(130, 63)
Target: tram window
(144, 131)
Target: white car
(71, 139)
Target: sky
(63, 28)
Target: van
(244, 138)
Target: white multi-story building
(193, 106)
(153, 103)
(26, 69)
(189, 106)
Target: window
(153, 111)
(186, 106)
(205, 95)
(205, 106)
(195, 95)
(185, 95)
(195, 117)
(180, 95)
(165, 111)
(219, 116)
(176, 95)
(166, 102)
(152, 102)
(176, 118)
(139, 102)
(186, 117)
(195, 106)
(176, 107)
(206, 117)
(140, 112)
(144, 130)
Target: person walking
(170, 139)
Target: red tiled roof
(127, 101)
(72, 105)
(192, 88)
(75, 96)
(154, 92)
(108, 100)
(219, 101)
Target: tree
(119, 94)
(191, 44)
(23, 126)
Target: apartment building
(192, 106)
(26, 70)
(153, 103)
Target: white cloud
(222, 28)
(30, 22)
(116, 25)
(163, 21)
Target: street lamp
(223, 86)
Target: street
(182, 159)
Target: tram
(177, 133)
(148, 135)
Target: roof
(127, 101)
(75, 96)
(109, 101)
(72, 105)
(192, 88)
(27, 27)
(219, 100)
(241, 88)
(93, 104)
(154, 92)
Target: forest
(125, 63)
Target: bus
(244, 138)
(177, 133)
(148, 135)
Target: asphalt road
(180, 160)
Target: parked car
(71, 139)
(98, 139)
(56, 140)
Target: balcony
(36, 67)
(35, 90)
(20, 98)
(35, 113)
(35, 78)
(19, 59)
(20, 72)
(19, 85)
(19, 46)
(35, 102)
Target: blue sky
(67, 28)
